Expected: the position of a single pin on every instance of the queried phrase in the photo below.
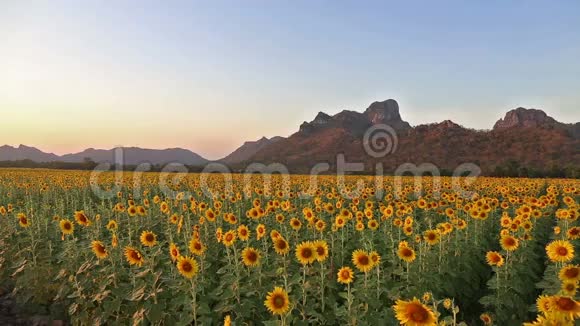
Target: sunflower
(431, 237)
(509, 243)
(306, 253)
(132, 210)
(414, 313)
(133, 256)
(570, 273)
(260, 231)
(321, 248)
(494, 258)
(543, 304)
(573, 233)
(375, 258)
(339, 221)
(148, 239)
(277, 301)
(362, 261)
(281, 246)
(295, 224)
(99, 249)
(560, 251)
(373, 224)
(345, 275)
(320, 225)
(447, 303)
(406, 253)
(565, 306)
(82, 219)
(460, 224)
(486, 319)
(274, 235)
(164, 207)
(228, 321)
(23, 220)
(66, 226)
(196, 247)
(112, 225)
(426, 297)
(243, 232)
(251, 257)
(173, 252)
(210, 215)
(187, 267)
(569, 288)
(229, 238)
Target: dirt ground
(10, 315)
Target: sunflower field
(488, 252)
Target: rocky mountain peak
(386, 112)
(449, 124)
(321, 118)
(522, 117)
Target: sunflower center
(363, 260)
(572, 272)
(565, 304)
(252, 256)
(306, 253)
(418, 314)
(186, 266)
(150, 238)
(562, 251)
(278, 301)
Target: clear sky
(209, 76)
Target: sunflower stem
(194, 301)
(304, 291)
(322, 285)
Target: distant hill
(131, 155)
(248, 149)
(9, 153)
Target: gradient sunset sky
(209, 76)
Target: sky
(208, 76)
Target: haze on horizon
(208, 77)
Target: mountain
(527, 136)
(248, 149)
(136, 155)
(131, 155)
(527, 139)
(530, 118)
(9, 153)
(356, 123)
